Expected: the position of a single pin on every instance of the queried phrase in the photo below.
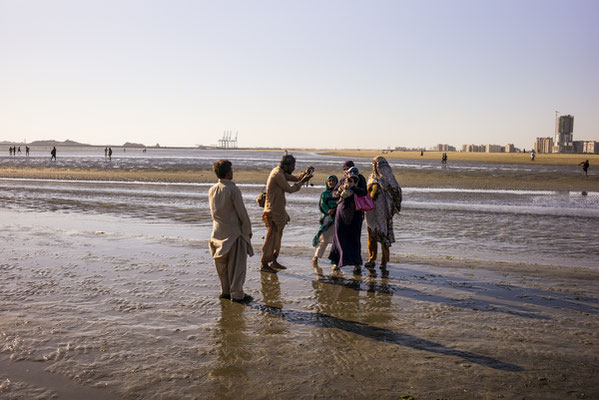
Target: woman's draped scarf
(387, 202)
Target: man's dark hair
(222, 168)
(287, 159)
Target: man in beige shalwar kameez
(231, 233)
(275, 216)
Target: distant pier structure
(227, 141)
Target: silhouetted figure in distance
(585, 167)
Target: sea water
(514, 225)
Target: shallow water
(128, 308)
(532, 226)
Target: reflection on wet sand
(271, 290)
(336, 294)
(372, 287)
(232, 349)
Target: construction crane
(227, 141)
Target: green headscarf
(326, 203)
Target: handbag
(261, 199)
(364, 203)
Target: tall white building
(564, 127)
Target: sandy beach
(415, 178)
(512, 158)
(109, 292)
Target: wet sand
(511, 158)
(99, 304)
(524, 180)
(126, 310)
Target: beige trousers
(372, 251)
(272, 242)
(231, 269)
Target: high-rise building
(591, 146)
(544, 145)
(494, 148)
(443, 147)
(473, 148)
(563, 134)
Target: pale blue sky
(345, 74)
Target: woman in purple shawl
(346, 248)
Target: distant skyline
(314, 74)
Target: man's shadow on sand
(381, 334)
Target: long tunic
(347, 248)
(276, 187)
(230, 218)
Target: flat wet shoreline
(133, 309)
(108, 284)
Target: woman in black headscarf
(346, 248)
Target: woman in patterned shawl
(386, 194)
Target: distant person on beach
(532, 155)
(53, 153)
(19, 150)
(110, 154)
(275, 216)
(386, 194)
(327, 206)
(444, 158)
(585, 167)
(346, 249)
(10, 151)
(27, 150)
(230, 242)
(105, 152)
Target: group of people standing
(342, 216)
(342, 207)
(13, 151)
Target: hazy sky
(345, 74)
